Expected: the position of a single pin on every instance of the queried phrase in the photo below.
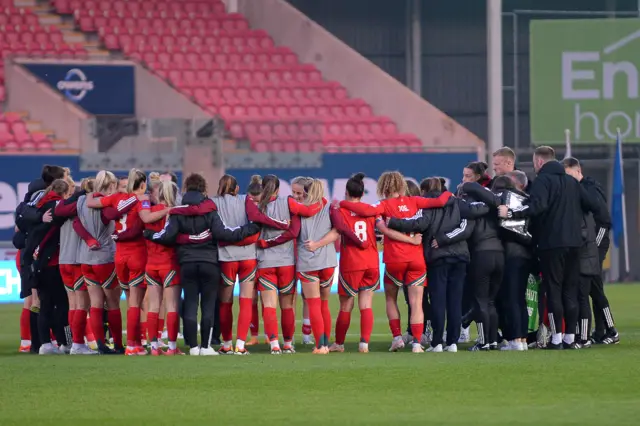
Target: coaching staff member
(557, 202)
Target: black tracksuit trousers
(515, 321)
(560, 279)
(446, 279)
(54, 306)
(487, 268)
(200, 281)
(602, 315)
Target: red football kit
(162, 267)
(404, 262)
(131, 255)
(359, 267)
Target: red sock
(173, 324)
(78, 326)
(97, 327)
(416, 331)
(366, 324)
(244, 318)
(143, 330)
(88, 331)
(394, 325)
(114, 316)
(226, 320)
(288, 318)
(342, 325)
(270, 319)
(160, 327)
(70, 315)
(317, 323)
(326, 317)
(25, 324)
(133, 326)
(152, 326)
(255, 320)
(51, 335)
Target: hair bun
(358, 176)
(255, 179)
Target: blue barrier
(17, 171)
(10, 282)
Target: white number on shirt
(123, 223)
(360, 228)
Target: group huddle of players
(110, 241)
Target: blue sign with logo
(98, 89)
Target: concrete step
(33, 126)
(73, 36)
(50, 19)
(59, 143)
(25, 3)
(99, 53)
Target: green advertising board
(584, 77)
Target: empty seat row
(149, 14)
(26, 37)
(162, 26)
(374, 146)
(10, 28)
(333, 92)
(27, 19)
(315, 127)
(129, 6)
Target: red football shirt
(158, 255)
(402, 208)
(353, 258)
(132, 218)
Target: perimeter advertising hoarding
(584, 77)
(17, 171)
(98, 89)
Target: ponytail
(59, 186)
(270, 187)
(168, 193)
(315, 192)
(227, 185)
(135, 180)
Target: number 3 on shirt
(360, 229)
(123, 223)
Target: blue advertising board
(17, 171)
(98, 89)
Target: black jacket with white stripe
(206, 226)
(557, 203)
(445, 225)
(602, 218)
(515, 245)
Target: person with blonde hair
(404, 262)
(131, 255)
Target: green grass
(595, 386)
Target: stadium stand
(23, 35)
(262, 91)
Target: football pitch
(600, 385)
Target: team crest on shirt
(146, 204)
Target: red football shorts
(350, 283)
(162, 277)
(325, 276)
(130, 270)
(410, 274)
(72, 278)
(281, 278)
(245, 270)
(100, 275)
